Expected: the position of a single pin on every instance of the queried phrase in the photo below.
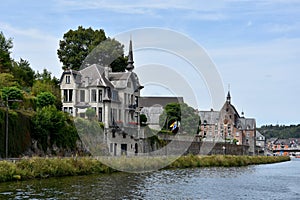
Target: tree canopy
(280, 131)
(182, 114)
(45, 99)
(5, 47)
(83, 47)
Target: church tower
(228, 97)
(130, 61)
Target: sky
(254, 44)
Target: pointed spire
(228, 94)
(228, 97)
(130, 61)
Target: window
(70, 95)
(65, 95)
(68, 79)
(111, 147)
(100, 96)
(124, 135)
(70, 110)
(82, 95)
(65, 109)
(93, 96)
(100, 114)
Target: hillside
(280, 131)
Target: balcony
(132, 107)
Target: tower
(228, 97)
(130, 61)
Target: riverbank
(37, 167)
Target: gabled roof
(210, 117)
(119, 79)
(95, 74)
(158, 101)
(258, 134)
(228, 104)
(246, 123)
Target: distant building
(153, 107)
(260, 142)
(228, 126)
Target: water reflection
(276, 181)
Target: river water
(271, 181)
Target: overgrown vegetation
(34, 102)
(56, 167)
(280, 131)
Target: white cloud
(36, 46)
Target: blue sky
(255, 44)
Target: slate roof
(211, 117)
(246, 123)
(95, 74)
(258, 134)
(158, 101)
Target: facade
(260, 142)
(228, 126)
(114, 97)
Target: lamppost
(6, 130)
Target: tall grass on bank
(224, 161)
(38, 167)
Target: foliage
(46, 83)
(53, 127)
(5, 60)
(280, 131)
(83, 47)
(77, 44)
(108, 53)
(19, 129)
(180, 112)
(45, 99)
(56, 167)
(90, 113)
(91, 135)
(23, 73)
(12, 93)
(50, 167)
(7, 80)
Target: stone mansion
(114, 98)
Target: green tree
(53, 126)
(23, 73)
(83, 47)
(181, 113)
(77, 44)
(45, 99)
(108, 53)
(5, 47)
(46, 83)
(90, 113)
(11, 93)
(7, 80)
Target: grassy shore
(55, 167)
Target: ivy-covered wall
(19, 129)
